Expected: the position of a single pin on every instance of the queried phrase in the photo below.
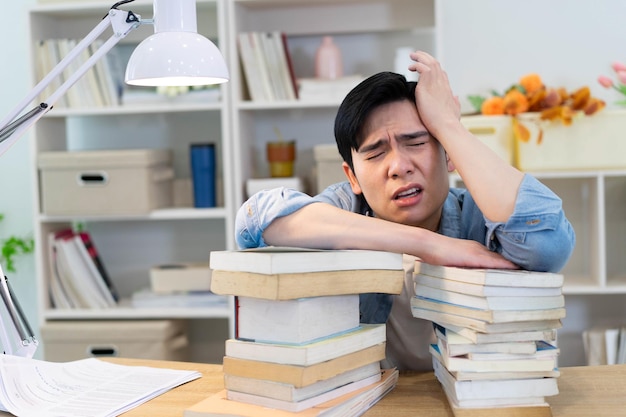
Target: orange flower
(492, 106)
(531, 83)
(515, 102)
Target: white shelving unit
(130, 245)
(368, 32)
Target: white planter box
(590, 142)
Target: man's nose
(399, 164)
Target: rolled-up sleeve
(537, 236)
(258, 212)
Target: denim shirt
(537, 236)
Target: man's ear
(354, 183)
(451, 166)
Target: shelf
(286, 105)
(129, 313)
(162, 214)
(134, 109)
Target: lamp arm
(12, 127)
(14, 327)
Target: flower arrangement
(620, 71)
(530, 94)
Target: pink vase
(328, 61)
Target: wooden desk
(584, 392)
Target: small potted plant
(12, 247)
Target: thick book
(87, 240)
(492, 277)
(446, 320)
(487, 315)
(288, 392)
(297, 406)
(457, 363)
(364, 336)
(458, 345)
(298, 321)
(485, 389)
(496, 303)
(286, 260)
(349, 405)
(544, 350)
(484, 290)
(289, 286)
(301, 376)
(547, 334)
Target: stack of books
(495, 335)
(299, 346)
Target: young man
(399, 141)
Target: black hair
(376, 90)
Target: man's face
(399, 168)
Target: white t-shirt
(408, 338)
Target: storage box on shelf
(106, 182)
(133, 231)
(65, 341)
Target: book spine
(97, 260)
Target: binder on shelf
(203, 174)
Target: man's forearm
(323, 226)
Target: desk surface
(584, 392)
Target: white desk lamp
(175, 55)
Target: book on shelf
(491, 277)
(487, 315)
(301, 376)
(480, 290)
(496, 303)
(352, 404)
(278, 273)
(316, 89)
(90, 246)
(75, 272)
(297, 406)
(147, 298)
(364, 336)
(267, 65)
(99, 87)
(288, 392)
(297, 321)
(180, 277)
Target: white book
(458, 363)
(491, 302)
(364, 336)
(250, 66)
(298, 321)
(478, 290)
(483, 390)
(58, 294)
(277, 260)
(298, 406)
(288, 392)
(515, 336)
(92, 273)
(78, 289)
(458, 345)
(544, 350)
(493, 277)
(262, 67)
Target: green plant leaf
(476, 102)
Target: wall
(16, 202)
(489, 44)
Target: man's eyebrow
(413, 135)
(372, 146)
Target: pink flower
(605, 81)
(618, 66)
(621, 76)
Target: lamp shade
(176, 55)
